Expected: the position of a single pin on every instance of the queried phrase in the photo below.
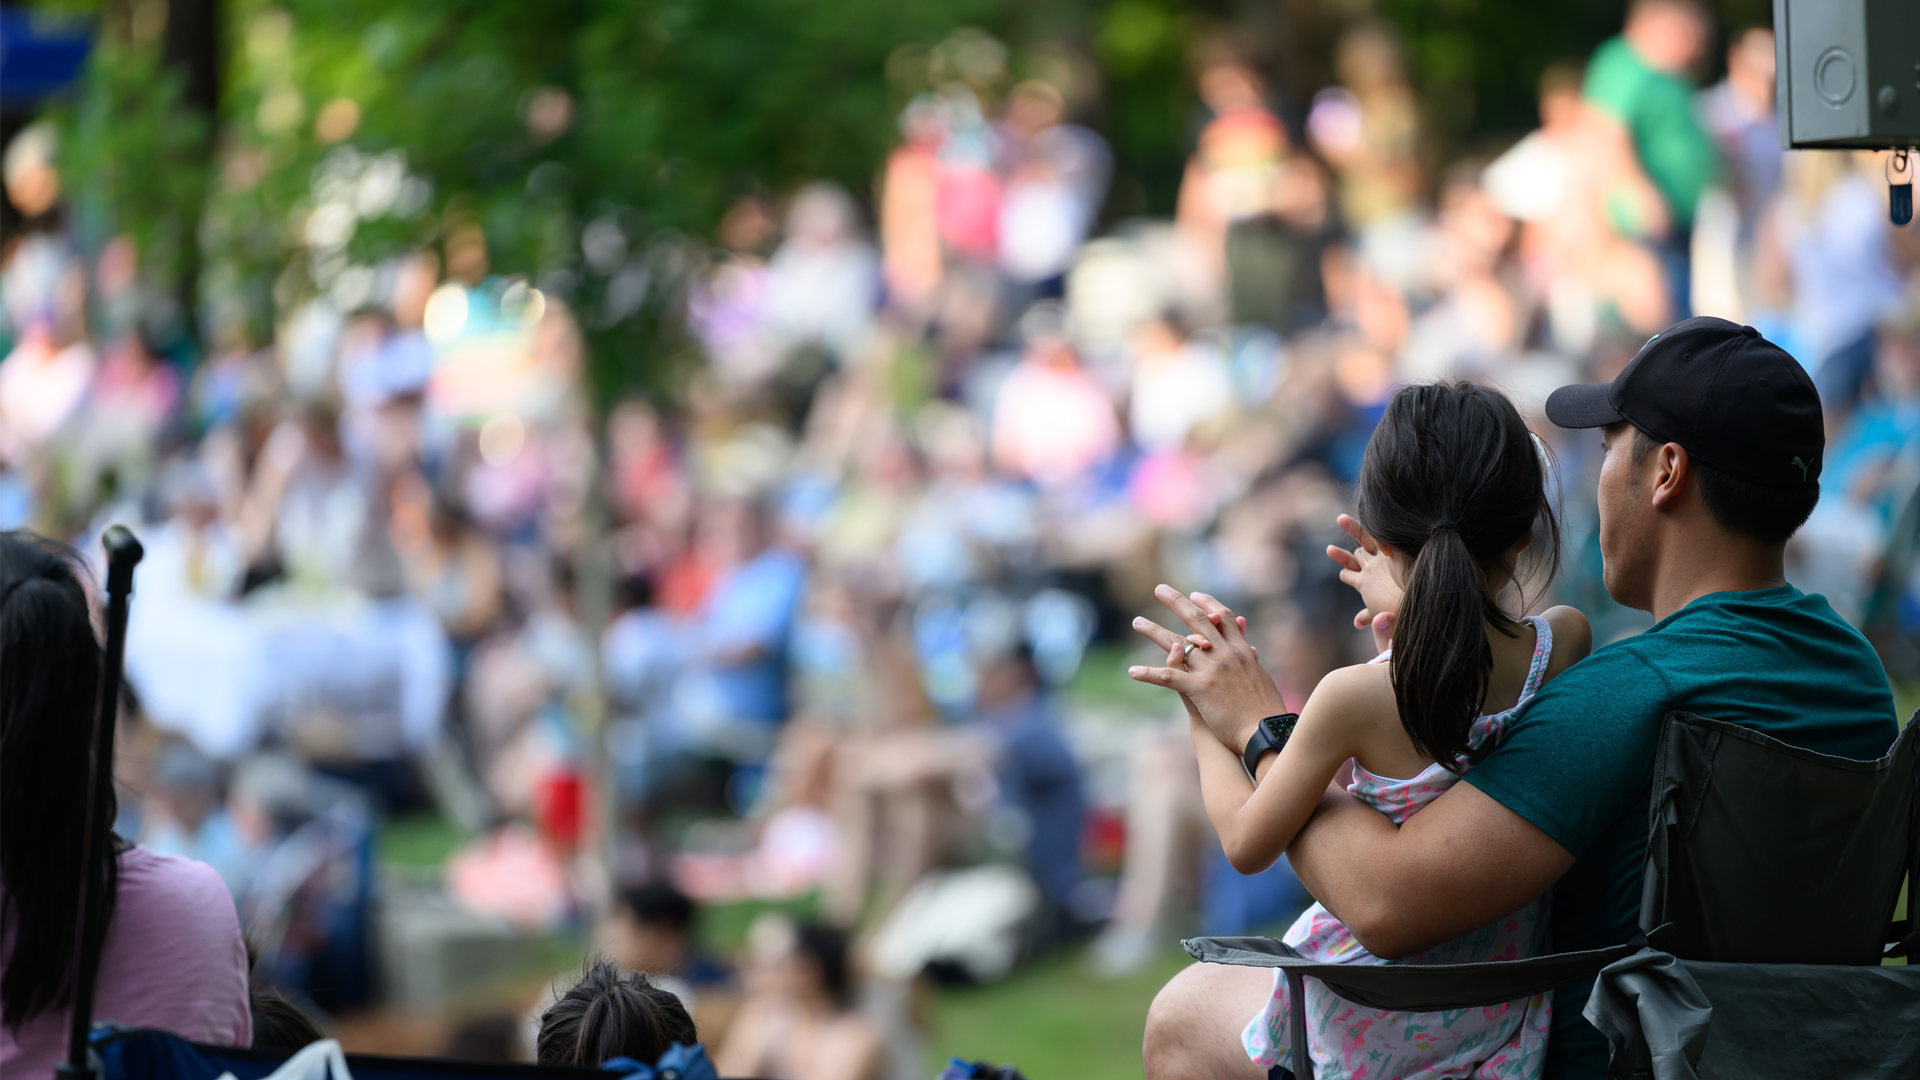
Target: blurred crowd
(843, 613)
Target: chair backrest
(136, 1054)
(1762, 852)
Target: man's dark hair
(278, 1024)
(1770, 515)
(658, 903)
(608, 1015)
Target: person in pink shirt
(173, 957)
(1051, 420)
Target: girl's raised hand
(1222, 679)
(1370, 569)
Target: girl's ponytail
(1452, 481)
(1441, 660)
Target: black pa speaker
(1848, 73)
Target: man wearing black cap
(1713, 442)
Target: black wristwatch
(1270, 735)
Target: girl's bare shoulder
(1358, 696)
(1572, 638)
(1361, 718)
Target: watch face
(1281, 727)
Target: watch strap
(1270, 734)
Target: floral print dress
(1507, 1041)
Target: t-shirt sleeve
(1580, 753)
(174, 958)
(1612, 80)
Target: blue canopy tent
(40, 54)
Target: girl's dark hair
(826, 947)
(278, 1024)
(50, 667)
(608, 1015)
(1452, 479)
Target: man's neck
(1725, 563)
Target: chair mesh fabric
(1760, 852)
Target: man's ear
(1672, 475)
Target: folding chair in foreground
(1772, 878)
(156, 1055)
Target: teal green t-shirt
(1657, 110)
(1577, 760)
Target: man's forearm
(1461, 863)
(1339, 855)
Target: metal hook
(1900, 192)
(1900, 161)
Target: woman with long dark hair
(1452, 493)
(173, 957)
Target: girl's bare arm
(1255, 824)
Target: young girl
(1451, 491)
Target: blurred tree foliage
(594, 143)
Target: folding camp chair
(1772, 877)
(157, 1055)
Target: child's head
(1453, 484)
(278, 1024)
(608, 1015)
(651, 928)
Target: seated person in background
(173, 957)
(797, 1020)
(651, 931)
(278, 1024)
(910, 784)
(608, 1015)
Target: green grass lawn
(1053, 1019)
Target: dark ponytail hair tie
(1438, 525)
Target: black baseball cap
(1728, 396)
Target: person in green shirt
(1713, 442)
(1640, 80)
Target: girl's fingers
(1221, 616)
(1363, 620)
(1359, 532)
(1157, 634)
(1169, 677)
(1382, 630)
(1344, 557)
(1189, 613)
(1178, 656)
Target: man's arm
(1461, 863)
